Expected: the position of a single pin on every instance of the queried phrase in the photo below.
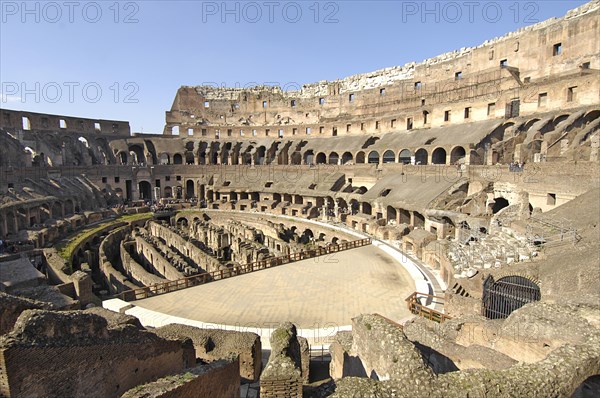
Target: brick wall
(216, 380)
(70, 354)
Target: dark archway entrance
(189, 189)
(502, 297)
(499, 204)
(145, 190)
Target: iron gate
(502, 297)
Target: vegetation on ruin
(66, 249)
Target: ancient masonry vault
(423, 230)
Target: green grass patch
(66, 249)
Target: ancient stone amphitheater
(424, 230)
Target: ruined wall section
(111, 261)
(156, 258)
(73, 354)
(214, 344)
(136, 271)
(186, 247)
(496, 72)
(14, 121)
(287, 369)
(55, 140)
(12, 306)
(558, 374)
(219, 379)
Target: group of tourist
(516, 167)
(11, 247)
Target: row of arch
(17, 218)
(421, 157)
(261, 155)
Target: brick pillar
(82, 282)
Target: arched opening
(44, 212)
(225, 153)
(404, 217)
(308, 157)
(57, 211)
(122, 157)
(202, 156)
(307, 236)
(189, 157)
(374, 157)
(103, 158)
(419, 220)
(438, 156)
(296, 158)
(346, 158)
(559, 119)
(499, 204)
(145, 190)
(164, 158)
(366, 208)
(334, 158)
(84, 141)
(404, 156)
(320, 159)
(168, 192)
(354, 206)
(175, 130)
(457, 155)
(450, 226)
(189, 189)
(137, 154)
(389, 157)
(360, 157)
(502, 297)
(177, 159)
(260, 155)
(68, 207)
(391, 215)
(421, 157)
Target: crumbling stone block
(219, 379)
(74, 354)
(283, 376)
(214, 344)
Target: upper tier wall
(15, 121)
(550, 57)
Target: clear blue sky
(55, 57)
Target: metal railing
(200, 279)
(415, 307)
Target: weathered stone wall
(283, 376)
(558, 374)
(70, 354)
(187, 248)
(12, 306)
(359, 105)
(214, 344)
(109, 254)
(135, 270)
(219, 379)
(396, 359)
(443, 354)
(13, 121)
(155, 260)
